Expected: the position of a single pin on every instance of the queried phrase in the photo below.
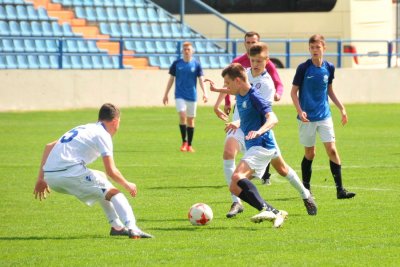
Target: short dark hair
(317, 38)
(108, 112)
(233, 71)
(250, 34)
(258, 48)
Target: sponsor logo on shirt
(326, 78)
(244, 104)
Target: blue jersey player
(256, 121)
(312, 85)
(186, 71)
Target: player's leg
(191, 114)
(325, 129)
(286, 171)
(231, 148)
(307, 135)
(117, 227)
(181, 109)
(253, 164)
(266, 176)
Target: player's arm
(169, 85)
(296, 103)
(272, 120)
(276, 79)
(41, 188)
(339, 104)
(113, 172)
(201, 82)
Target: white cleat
(263, 216)
(280, 218)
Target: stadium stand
(91, 34)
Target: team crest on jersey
(192, 69)
(326, 78)
(258, 85)
(244, 104)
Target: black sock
(182, 127)
(250, 195)
(336, 171)
(306, 172)
(190, 132)
(266, 173)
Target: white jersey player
(64, 170)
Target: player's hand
(220, 114)
(41, 189)
(131, 187)
(165, 100)
(252, 135)
(205, 98)
(231, 127)
(344, 118)
(303, 117)
(227, 109)
(277, 97)
(212, 85)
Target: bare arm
(201, 82)
(272, 120)
(337, 102)
(296, 103)
(41, 188)
(169, 85)
(113, 172)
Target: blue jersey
(252, 109)
(313, 84)
(186, 74)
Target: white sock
(124, 211)
(229, 168)
(294, 180)
(111, 214)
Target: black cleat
(136, 234)
(343, 194)
(122, 231)
(310, 205)
(265, 180)
(235, 209)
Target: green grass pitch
(61, 231)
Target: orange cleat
(190, 149)
(184, 147)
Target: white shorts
(258, 157)
(189, 107)
(88, 188)
(239, 136)
(308, 132)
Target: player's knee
(230, 151)
(310, 154)
(112, 192)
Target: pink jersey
(244, 60)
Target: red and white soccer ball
(200, 214)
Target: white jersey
(79, 147)
(264, 84)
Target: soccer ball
(200, 214)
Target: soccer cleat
(310, 205)
(137, 234)
(265, 180)
(280, 218)
(184, 146)
(265, 215)
(190, 149)
(343, 194)
(122, 231)
(235, 209)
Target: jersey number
(69, 136)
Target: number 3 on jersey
(69, 136)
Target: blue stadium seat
(47, 29)
(91, 44)
(32, 14)
(161, 47)
(36, 28)
(67, 30)
(97, 62)
(3, 64)
(53, 61)
(115, 62)
(165, 62)
(76, 62)
(44, 62)
(22, 13)
(82, 46)
(142, 14)
(26, 29)
(140, 47)
(85, 2)
(156, 30)
(122, 15)
(71, 46)
(19, 45)
(214, 62)
(51, 45)
(87, 62)
(224, 61)
(22, 62)
(40, 45)
(15, 29)
(115, 29)
(136, 30)
(107, 62)
(154, 61)
(57, 29)
(163, 15)
(8, 45)
(176, 30)
(3, 15)
(101, 14)
(146, 30)
(105, 28)
(112, 14)
(80, 12)
(42, 14)
(4, 28)
(11, 61)
(200, 47)
(125, 30)
(129, 45)
(29, 45)
(152, 14)
(66, 62)
(11, 12)
(132, 14)
(205, 62)
(90, 13)
(150, 47)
